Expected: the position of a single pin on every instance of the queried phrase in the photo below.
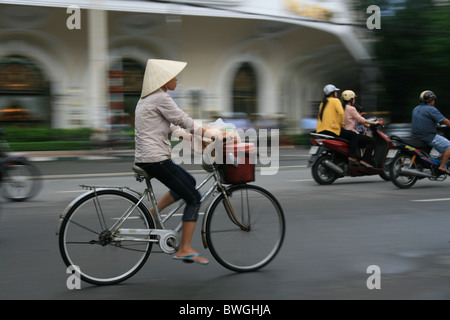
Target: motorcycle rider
(331, 120)
(352, 116)
(425, 117)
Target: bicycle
(20, 179)
(109, 232)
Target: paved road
(334, 233)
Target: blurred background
(72, 70)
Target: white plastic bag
(226, 130)
(220, 130)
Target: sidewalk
(76, 155)
(81, 155)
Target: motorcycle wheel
(402, 181)
(321, 173)
(386, 175)
(20, 181)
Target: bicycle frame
(169, 239)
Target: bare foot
(365, 164)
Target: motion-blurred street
(334, 233)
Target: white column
(98, 65)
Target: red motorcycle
(329, 158)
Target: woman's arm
(359, 118)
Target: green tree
(412, 51)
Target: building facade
(79, 63)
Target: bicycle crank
(169, 240)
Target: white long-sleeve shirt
(156, 116)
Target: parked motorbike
(19, 178)
(329, 158)
(415, 160)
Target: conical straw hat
(158, 72)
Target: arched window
(24, 92)
(245, 91)
(123, 98)
(133, 75)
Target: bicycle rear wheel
(252, 241)
(86, 241)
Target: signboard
(307, 9)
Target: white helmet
(329, 89)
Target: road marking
(130, 174)
(431, 200)
(180, 214)
(293, 167)
(86, 175)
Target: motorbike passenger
(425, 117)
(331, 120)
(352, 117)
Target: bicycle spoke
(98, 210)
(84, 242)
(84, 227)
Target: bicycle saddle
(141, 172)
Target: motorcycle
(415, 160)
(329, 158)
(19, 178)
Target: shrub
(40, 134)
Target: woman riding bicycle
(157, 116)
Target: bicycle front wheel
(253, 237)
(87, 240)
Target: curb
(88, 155)
(42, 156)
(76, 158)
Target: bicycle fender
(207, 213)
(205, 216)
(69, 207)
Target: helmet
(329, 89)
(348, 95)
(427, 96)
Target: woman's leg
(166, 200)
(186, 239)
(181, 184)
(369, 144)
(352, 137)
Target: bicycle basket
(238, 163)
